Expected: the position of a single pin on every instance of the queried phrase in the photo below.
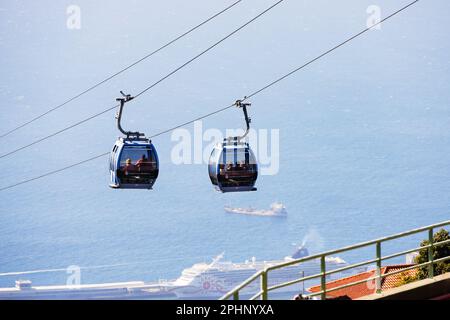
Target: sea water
(364, 139)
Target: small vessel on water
(277, 209)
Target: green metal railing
(263, 275)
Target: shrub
(438, 252)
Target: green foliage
(438, 252)
(406, 278)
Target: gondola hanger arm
(126, 98)
(248, 120)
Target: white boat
(201, 281)
(277, 209)
(213, 280)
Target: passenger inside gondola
(239, 173)
(139, 166)
(143, 164)
(129, 167)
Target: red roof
(368, 287)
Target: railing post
(264, 294)
(236, 295)
(323, 278)
(378, 268)
(430, 254)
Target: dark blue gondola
(133, 161)
(232, 164)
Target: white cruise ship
(219, 277)
(201, 281)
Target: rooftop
(368, 287)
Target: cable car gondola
(133, 161)
(232, 164)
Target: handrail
(435, 244)
(375, 277)
(263, 274)
(257, 295)
(289, 283)
(359, 245)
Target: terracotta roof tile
(392, 281)
(365, 288)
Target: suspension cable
(227, 107)
(119, 72)
(146, 89)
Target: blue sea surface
(364, 132)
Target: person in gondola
(128, 167)
(144, 165)
(242, 166)
(142, 162)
